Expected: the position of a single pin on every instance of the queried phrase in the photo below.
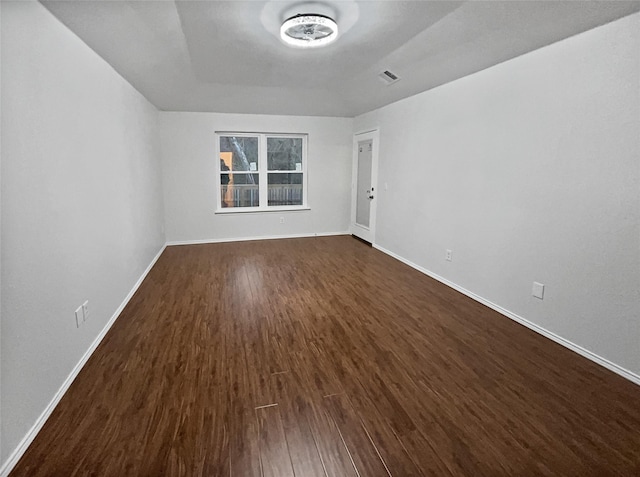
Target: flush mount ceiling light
(309, 30)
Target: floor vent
(388, 77)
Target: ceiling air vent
(388, 77)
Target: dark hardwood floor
(324, 357)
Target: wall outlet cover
(79, 316)
(538, 290)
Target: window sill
(253, 210)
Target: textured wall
(528, 171)
(82, 212)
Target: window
(259, 172)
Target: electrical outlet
(85, 310)
(447, 255)
(79, 316)
(282, 220)
(538, 290)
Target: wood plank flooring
(324, 357)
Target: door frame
(366, 234)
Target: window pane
(238, 153)
(284, 153)
(239, 190)
(285, 189)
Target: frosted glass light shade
(309, 31)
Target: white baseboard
(33, 432)
(625, 373)
(263, 237)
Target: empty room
(339, 238)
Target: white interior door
(364, 193)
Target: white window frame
(263, 173)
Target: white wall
(0, 245)
(81, 205)
(529, 170)
(189, 167)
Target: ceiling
(225, 56)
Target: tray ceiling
(225, 56)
